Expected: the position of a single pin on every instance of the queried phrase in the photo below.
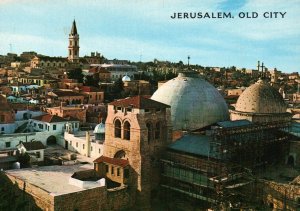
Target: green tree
(118, 88)
(75, 74)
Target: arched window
(157, 130)
(127, 130)
(117, 129)
(120, 154)
(150, 131)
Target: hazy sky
(143, 29)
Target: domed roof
(126, 78)
(100, 128)
(194, 102)
(261, 98)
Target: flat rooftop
(53, 179)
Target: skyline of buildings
(43, 27)
(114, 139)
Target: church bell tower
(73, 44)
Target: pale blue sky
(126, 29)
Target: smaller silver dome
(100, 128)
(126, 78)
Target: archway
(120, 154)
(291, 160)
(51, 140)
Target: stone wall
(41, 197)
(119, 198)
(99, 198)
(281, 196)
(89, 199)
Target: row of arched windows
(126, 130)
(154, 130)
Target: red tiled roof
(34, 145)
(139, 102)
(89, 89)
(49, 118)
(60, 93)
(114, 161)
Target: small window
(2, 129)
(118, 128)
(118, 172)
(99, 151)
(38, 154)
(91, 148)
(71, 143)
(82, 146)
(112, 170)
(126, 134)
(76, 144)
(54, 127)
(7, 144)
(106, 168)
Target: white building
(46, 128)
(86, 143)
(51, 123)
(118, 70)
(35, 149)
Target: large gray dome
(194, 102)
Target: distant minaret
(73, 44)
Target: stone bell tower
(73, 44)
(138, 130)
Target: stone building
(68, 111)
(56, 97)
(48, 62)
(135, 87)
(117, 71)
(7, 117)
(93, 94)
(137, 130)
